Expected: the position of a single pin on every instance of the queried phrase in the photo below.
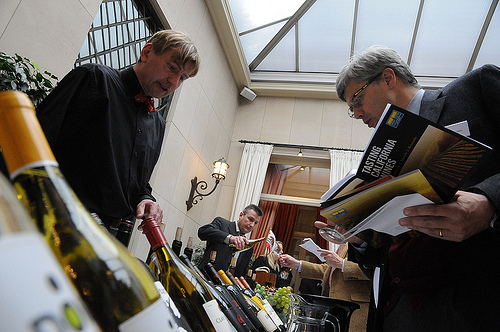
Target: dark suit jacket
(470, 267)
(215, 233)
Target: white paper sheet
(385, 219)
(312, 247)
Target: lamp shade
(220, 169)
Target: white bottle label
(217, 317)
(266, 321)
(274, 316)
(167, 299)
(35, 292)
(156, 317)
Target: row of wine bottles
(239, 306)
(77, 263)
(177, 244)
(117, 293)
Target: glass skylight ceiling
(291, 38)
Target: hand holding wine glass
(336, 234)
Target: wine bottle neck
(224, 277)
(154, 234)
(212, 274)
(19, 126)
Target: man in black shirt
(105, 133)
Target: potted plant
(19, 73)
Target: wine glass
(334, 235)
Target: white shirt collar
(416, 101)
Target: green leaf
(19, 73)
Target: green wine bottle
(117, 290)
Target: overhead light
(219, 173)
(300, 153)
(302, 168)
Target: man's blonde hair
(166, 39)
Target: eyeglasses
(355, 100)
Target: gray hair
(254, 207)
(370, 63)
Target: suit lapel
(232, 228)
(432, 105)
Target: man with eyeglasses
(446, 279)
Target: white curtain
(251, 176)
(341, 163)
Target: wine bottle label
(274, 316)
(155, 317)
(34, 273)
(167, 299)
(217, 317)
(266, 321)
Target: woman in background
(283, 275)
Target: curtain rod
(306, 147)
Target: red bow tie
(141, 98)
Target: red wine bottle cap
(151, 228)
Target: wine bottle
(188, 251)
(180, 323)
(188, 291)
(269, 308)
(256, 306)
(250, 244)
(117, 290)
(177, 243)
(213, 256)
(249, 271)
(124, 231)
(236, 296)
(259, 299)
(229, 307)
(232, 265)
(33, 285)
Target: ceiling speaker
(248, 94)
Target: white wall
(49, 33)
(295, 121)
(207, 118)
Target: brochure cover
(403, 142)
(407, 154)
(353, 210)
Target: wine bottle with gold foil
(228, 305)
(254, 303)
(251, 243)
(267, 306)
(34, 291)
(187, 290)
(118, 291)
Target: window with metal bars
(119, 31)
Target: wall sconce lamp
(219, 173)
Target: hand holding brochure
(407, 154)
(382, 220)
